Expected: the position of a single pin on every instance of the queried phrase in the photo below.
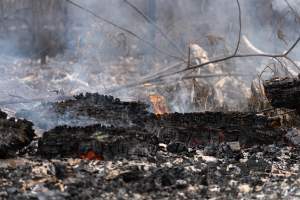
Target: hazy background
(86, 54)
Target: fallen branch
(218, 75)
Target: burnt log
(190, 130)
(15, 134)
(103, 142)
(283, 93)
(214, 127)
(85, 110)
(105, 109)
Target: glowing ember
(159, 104)
(91, 155)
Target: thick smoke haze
(93, 56)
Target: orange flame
(159, 104)
(91, 155)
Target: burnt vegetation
(190, 122)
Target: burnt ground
(172, 156)
(260, 172)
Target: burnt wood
(15, 134)
(283, 92)
(106, 142)
(215, 127)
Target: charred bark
(190, 129)
(215, 127)
(103, 108)
(14, 135)
(86, 109)
(104, 142)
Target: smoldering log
(283, 92)
(100, 108)
(104, 142)
(215, 127)
(209, 126)
(190, 129)
(15, 134)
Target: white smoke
(100, 57)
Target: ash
(259, 172)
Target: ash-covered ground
(213, 172)
(210, 155)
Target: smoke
(98, 56)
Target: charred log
(102, 108)
(177, 130)
(14, 135)
(215, 127)
(283, 93)
(86, 109)
(97, 141)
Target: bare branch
(218, 75)
(293, 62)
(218, 60)
(292, 9)
(123, 29)
(240, 28)
(150, 21)
(292, 47)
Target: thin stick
(240, 28)
(232, 57)
(189, 57)
(217, 75)
(292, 9)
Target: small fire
(159, 104)
(91, 155)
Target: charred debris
(128, 152)
(15, 134)
(284, 92)
(122, 129)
